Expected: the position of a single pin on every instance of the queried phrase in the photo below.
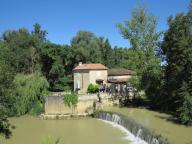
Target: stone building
(85, 74)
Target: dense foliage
(6, 86)
(30, 92)
(177, 50)
(93, 88)
(54, 61)
(143, 54)
(164, 70)
(71, 100)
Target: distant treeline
(28, 52)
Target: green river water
(160, 123)
(31, 130)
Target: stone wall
(97, 74)
(55, 105)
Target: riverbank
(160, 123)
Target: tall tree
(120, 57)
(177, 49)
(37, 31)
(6, 87)
(55, 62)
(24, 50)
(106, 51)
(86, 48)
(144, 40)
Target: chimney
(80, 63)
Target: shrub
(71, 100)
(93, 88)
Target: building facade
(85, 74)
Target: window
(78, 84)
(77, 74)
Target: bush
(71, 100)
(93, 88)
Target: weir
(136, 129)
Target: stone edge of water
(64, 116)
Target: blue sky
(63, 18)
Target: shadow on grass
(135, 103)
(169, 118)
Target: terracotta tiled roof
(90, 67)
(120, 71)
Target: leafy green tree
(23, 50)
(144, 40)
(185, 111)
(85, 48)
(119, 57)
(55, 64)
(106, 51)
(6, 87)
(141, 31)
(37, 31)
(29, 90)
(177, 48)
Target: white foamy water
(128, 135)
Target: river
(31, 130)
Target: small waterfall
(108, 117)
(115, 118)
(154, 141)
(139, 134)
